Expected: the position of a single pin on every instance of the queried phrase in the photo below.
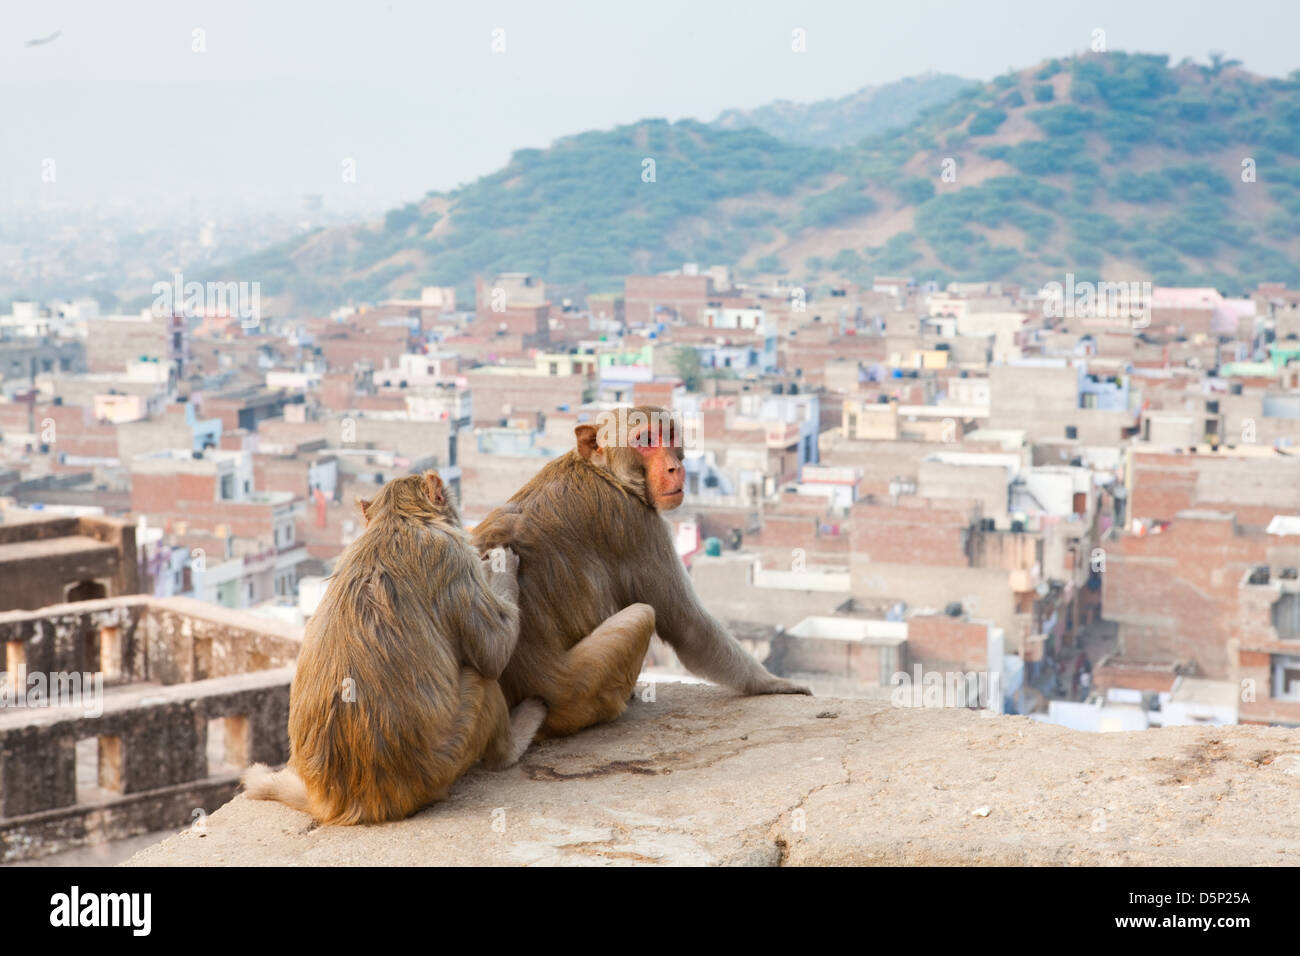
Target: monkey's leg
(480, 719)
(600, 672)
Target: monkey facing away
(395, 694)
(599, 574)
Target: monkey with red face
(599, 574)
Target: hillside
(850, 119)
(1113, 165)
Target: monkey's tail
(261, 783)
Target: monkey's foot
(779, 685)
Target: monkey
(395, 694)
(599, 574)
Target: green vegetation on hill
(849, 119)
(1113, 164)
(588, 207)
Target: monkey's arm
(500, 529)
(489, 621)
(702, 643)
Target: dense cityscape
(1084, 492)
(965, 528)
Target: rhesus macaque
(598, 575)
(395, 694)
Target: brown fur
(417, 628)
(598, 574)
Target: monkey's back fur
(384, 712)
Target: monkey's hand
(779, 685)
(501, 530)
(501, 566)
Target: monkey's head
(415, 497)
(641, 448)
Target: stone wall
(160, 705)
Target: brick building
(246, 539)
(651, 299)
(1175, 591)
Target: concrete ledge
(700, 776)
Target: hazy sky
(412, 91)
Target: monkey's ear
(434, 486)
(364, 505)
(586, 435)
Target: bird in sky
(41, 41)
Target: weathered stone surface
(163, 734)
(41, 560)
(700, 776)
(96, 828)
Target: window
(227, 746)
(227, 487)
(1286, 617)
(98, 768)
(16, 665)
(110, 653)
(1286, 677)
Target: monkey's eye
(653, 436)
